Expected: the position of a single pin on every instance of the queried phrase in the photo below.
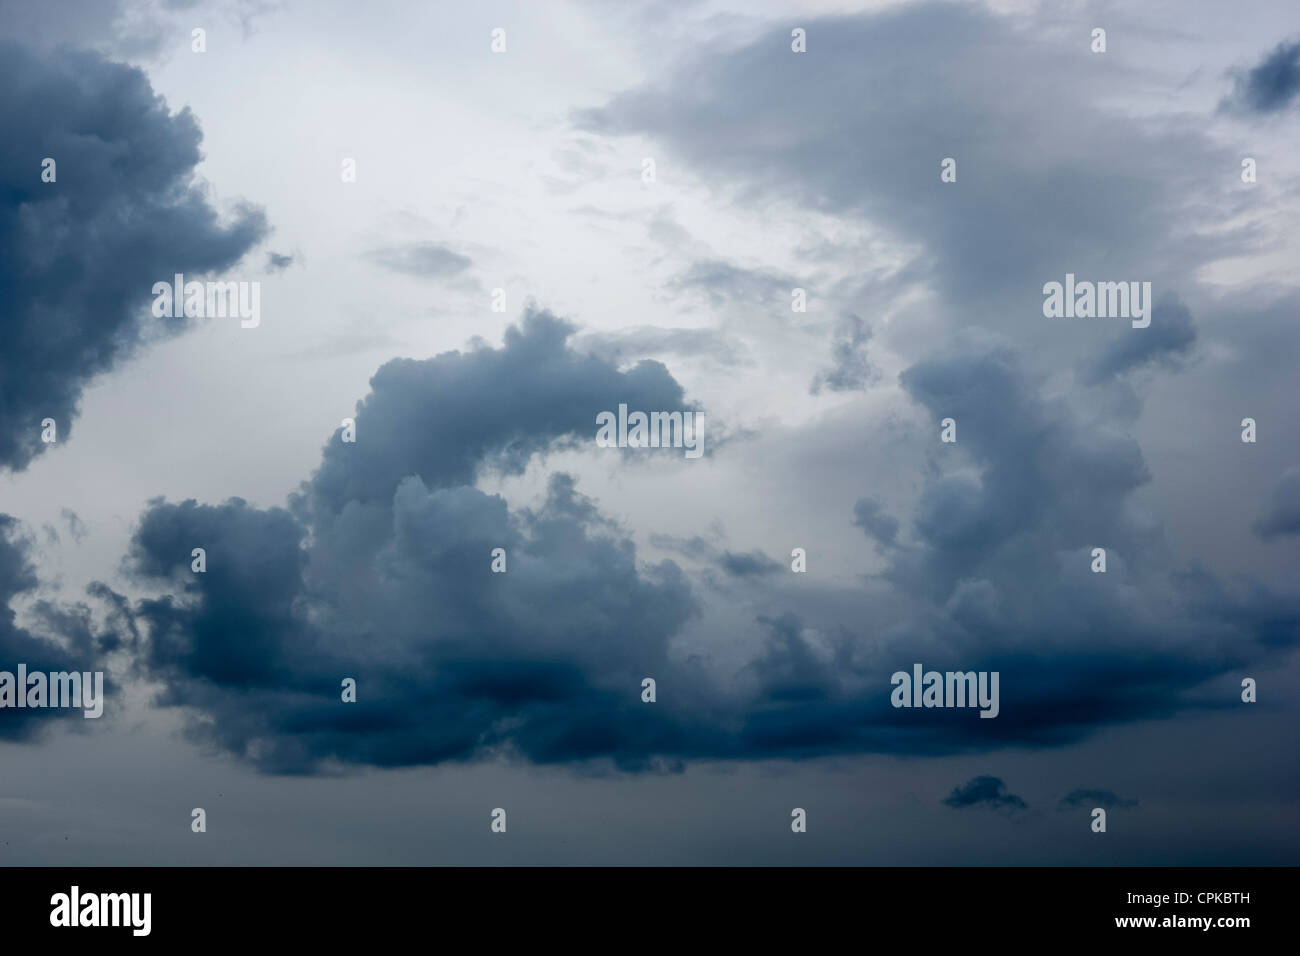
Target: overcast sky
(524, 170)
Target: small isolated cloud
(277, 263)
(849, 370)
(1271, 85)
(428, 260)
(724, 283)
(76, 527)
(1283, 513)
(748, 565)
(985, 792)
(1095, 798)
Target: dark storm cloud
(1283, 514)
(985, 792)
(379, 567)
(79, 256)
(65, 638)
(427, 260)
(1095, 798)
(380, 572)
(1000, 561)
(1271, 85)
(494, 407)
(993, 574)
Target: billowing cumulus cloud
(379, 571)
(79, 255)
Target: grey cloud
(495, 408)
(985, 791)
(996, 577)
(79, 256)
(869, 515)
(1170, 338)
(1271, 85)
(620, 345)
(1050, 179)
(378, 571)
(76, 527)
(66, 638)
(724, 282)
(424, 259)
(849, 371)
(755, 563)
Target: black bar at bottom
(662, 907)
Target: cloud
(447, 418)
(755, 563)
(275, 262)
(868, 514)
(723, 282)
(1095, 798)
(1170, 337)
(619, 345)
(67, 640)
(76, 527)
(127, 29)
(850, 371)
(79, 256)
(985, 791)
(427, 260)
(1283, 514)
(379, 570)
(994, 575)
(1271, 85)
(756, 118)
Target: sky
(474, 228)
